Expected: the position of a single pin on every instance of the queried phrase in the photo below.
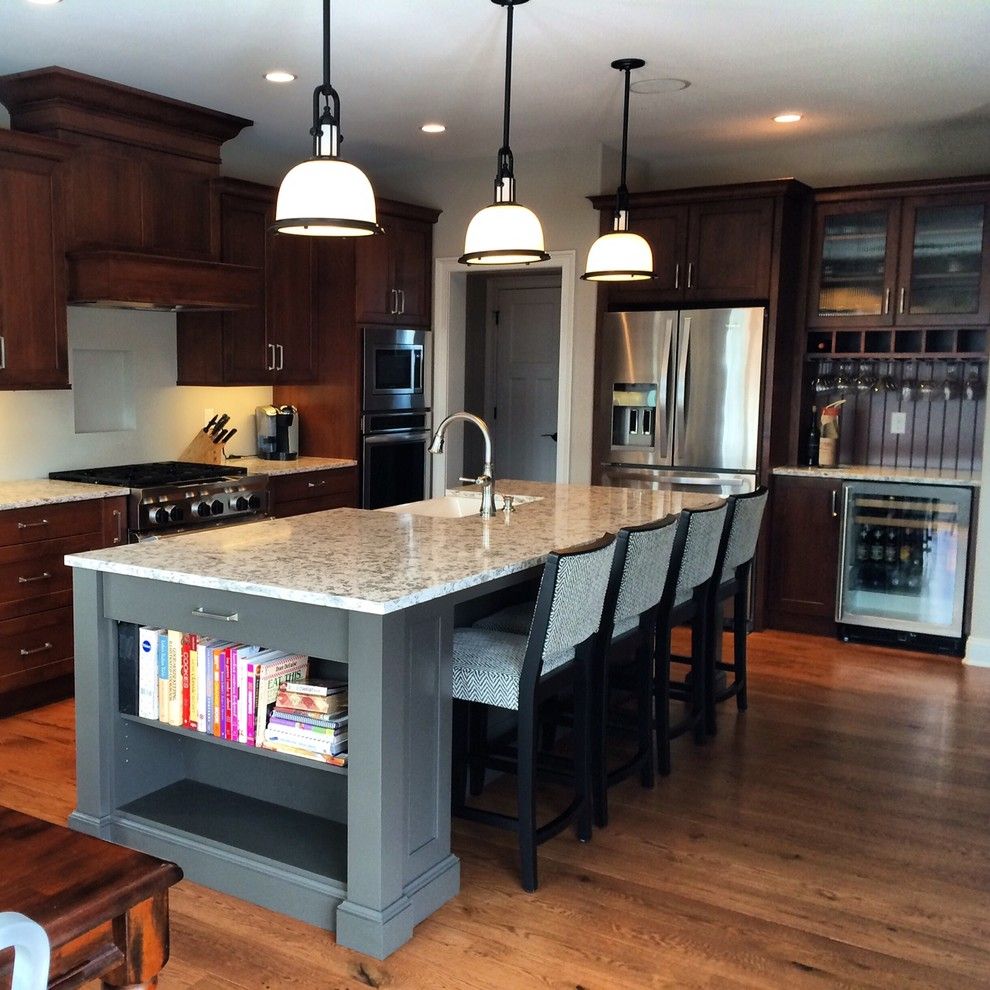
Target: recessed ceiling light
(45, 3)
(433, 128)
(279, 76)
(787, 118)
(664, 85)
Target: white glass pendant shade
(619, 257)
(504, 234)
(326, 197)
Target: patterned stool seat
(519, 617)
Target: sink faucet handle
(473, 481)
(507, 505)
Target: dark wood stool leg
(644, 712)
(740, 608)
(526, 794)
(582, 747)
(142, 935)
(699, 673)
(713, 653)
(662, 700)
(478, 748)
(460, 742)
(599, 695)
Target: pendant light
(325, 196)
(621, 256)
(504, 233)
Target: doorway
(511, 371)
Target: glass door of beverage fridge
(903, 562)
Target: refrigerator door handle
(664, 422)
(683, 346)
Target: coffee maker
(278, 432)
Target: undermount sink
(456, 506)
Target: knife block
(202, 450)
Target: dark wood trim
(698, 194)
(919, 187)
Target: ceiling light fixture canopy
(621, 256)
(326, 196)
(504, 233)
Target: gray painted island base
(362, 850)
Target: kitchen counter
(872, 472)
(382, 561)
(260, 465)
(363, 850)
(42, 491)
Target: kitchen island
(371, 596)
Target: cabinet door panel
(730, 247)
(32, 275)
(666, 232)
(374, 299)
(292, 307)
(412, 257)
(943, 274)
(804, 553)
(853, 274)
(245, 242)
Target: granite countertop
(873, 472)
(42, 491)
(382, 561)
(259, 465)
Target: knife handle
(209, 426)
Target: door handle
(900, 305)
(835, 503)
(3, 353)
(222, 616)
(394, 306)
(118, 515)
(37, 649)
(402, 301)
(662, 418)
(271, 366)
(42, 522)
(281, 357)
(690, 273)
(677, 275)
(44, 576)
(552, 436)
(886, 300)
(683, 346)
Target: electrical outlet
(208, 414)
(898, 422)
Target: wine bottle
(814, 440)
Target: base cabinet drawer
(48, 522)
(313, 491)
(298, 507)
(35, 648)
(34, 577)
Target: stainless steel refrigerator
(679, 402)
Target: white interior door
(526, 360)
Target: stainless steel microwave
(397, 369)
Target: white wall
(39, 428)
(553, 185)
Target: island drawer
(35, 647)
(292, 626)
(46, 522)
(34, 577)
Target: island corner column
(399, 865)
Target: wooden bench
(104, 907)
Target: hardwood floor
(837, 834)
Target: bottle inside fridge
(903, 564)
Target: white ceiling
(851, 66)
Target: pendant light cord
(326, 122)
(505, 169)
(622, 194)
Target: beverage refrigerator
(903, 565)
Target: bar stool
(686, 599)
(510, 671)
(743, 519)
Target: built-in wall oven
(395, 417)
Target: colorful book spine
(148, 672)
(337, 760)
(279, 734)
(184, 678)
(326, 721)
(217, 652)
(270, 677)
(323, 731)
(163, 676)
(174, 677)
(193, 681)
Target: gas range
(174, 496)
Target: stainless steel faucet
(487, 478)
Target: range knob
(254, 502)
(175, 514)
(216, 507)
(160, 516)
(202, 509)
(241, 503)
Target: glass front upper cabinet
(855, 264)
(942, 277)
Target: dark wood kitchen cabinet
(312, 491)
(33, 349)
(709, 245)
(271, 344)
(805, 529)
(394, 270)
(901, 256)
(36, 592)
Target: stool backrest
(639, 568)
(569, 603)
(699, 533)
(741, 531)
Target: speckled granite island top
(874, 472)
(380, 562)
(42, 491)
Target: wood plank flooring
(837, 834)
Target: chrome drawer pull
(38, 577)
(315, 484)
(44, 522)
(222, 616)
(37, 649)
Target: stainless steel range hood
(130, 280)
